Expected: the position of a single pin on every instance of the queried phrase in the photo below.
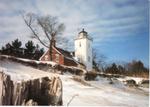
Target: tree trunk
(50, 51)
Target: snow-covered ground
(29, 60)
(100, 93)
(42, 62)
(21, 72)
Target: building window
(57, 58)
(46, 57)
(79, 59)
(80, 44)
(88, 58)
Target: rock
(144, 83)
(80, 80)
(6, 89)
(41, 91)
(131, 82)
(110, 80)
(30, 103)
(90, 76)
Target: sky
(119, 28)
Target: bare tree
(45, 29)
(98, 60)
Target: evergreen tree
(16, 46)
(8, 49)
(121, 69)
(136, 68)
(30, 49)
(38, 52)
(113, 69)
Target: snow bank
(19, 72)
(138, 80)
(101, 93)
(106, 81)
(29, 60)
(43, 64)
(43, 91)
(38, 62)
(15, 76)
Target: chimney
(53, 41)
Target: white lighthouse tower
(83, 49)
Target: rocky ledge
(40, 91)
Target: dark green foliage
(7, 49)
(30, 51)
(95, 66)
(121, 69)
(137, 68)
(30, 46)
(38, 52)
(112, 69)
(12, 48)
(134, 68)
(16, 44)
(16, 47)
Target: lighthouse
(83, 49)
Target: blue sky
(120, 28)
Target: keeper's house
(81, 57)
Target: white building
(83, 49)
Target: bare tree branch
(29, 24)
(72, 99)
(42, 24)
(98, 60)
(47, 25)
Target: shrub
(90, 75)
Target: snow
(51, 63)
(45, 62)
(73, 67)
(38, 62)
(35, 61)
(145, 89)
(19, 72)
(136, 79)
(107, 81)
(101, 93)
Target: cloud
(102, 19)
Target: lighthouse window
(46, 57)
(88, 58)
